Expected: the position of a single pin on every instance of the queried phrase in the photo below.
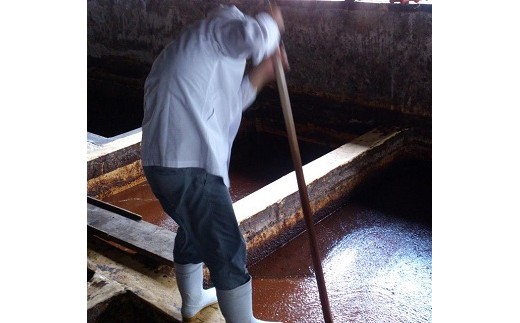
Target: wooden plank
(113, 208)
(143, 237)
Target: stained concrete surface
(378, 56)
(375, 57)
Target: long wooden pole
(302, 187)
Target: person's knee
(227, 278)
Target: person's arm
(264, 72)
(259, 76)
(247, 37)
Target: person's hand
(268, 68)
(283, 56)
(265, 72)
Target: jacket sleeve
(247, 37)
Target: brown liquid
(376, 258)
(376, 251)
(254, 164)
(140, 199)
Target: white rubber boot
(194, 297)
(236, 304)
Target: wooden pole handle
(302, 187)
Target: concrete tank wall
(374, 55)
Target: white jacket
(196, 90)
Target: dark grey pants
(208, 232)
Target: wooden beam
(141, 236)
(113, 208)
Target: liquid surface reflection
(376, 257)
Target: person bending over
(194, 97)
